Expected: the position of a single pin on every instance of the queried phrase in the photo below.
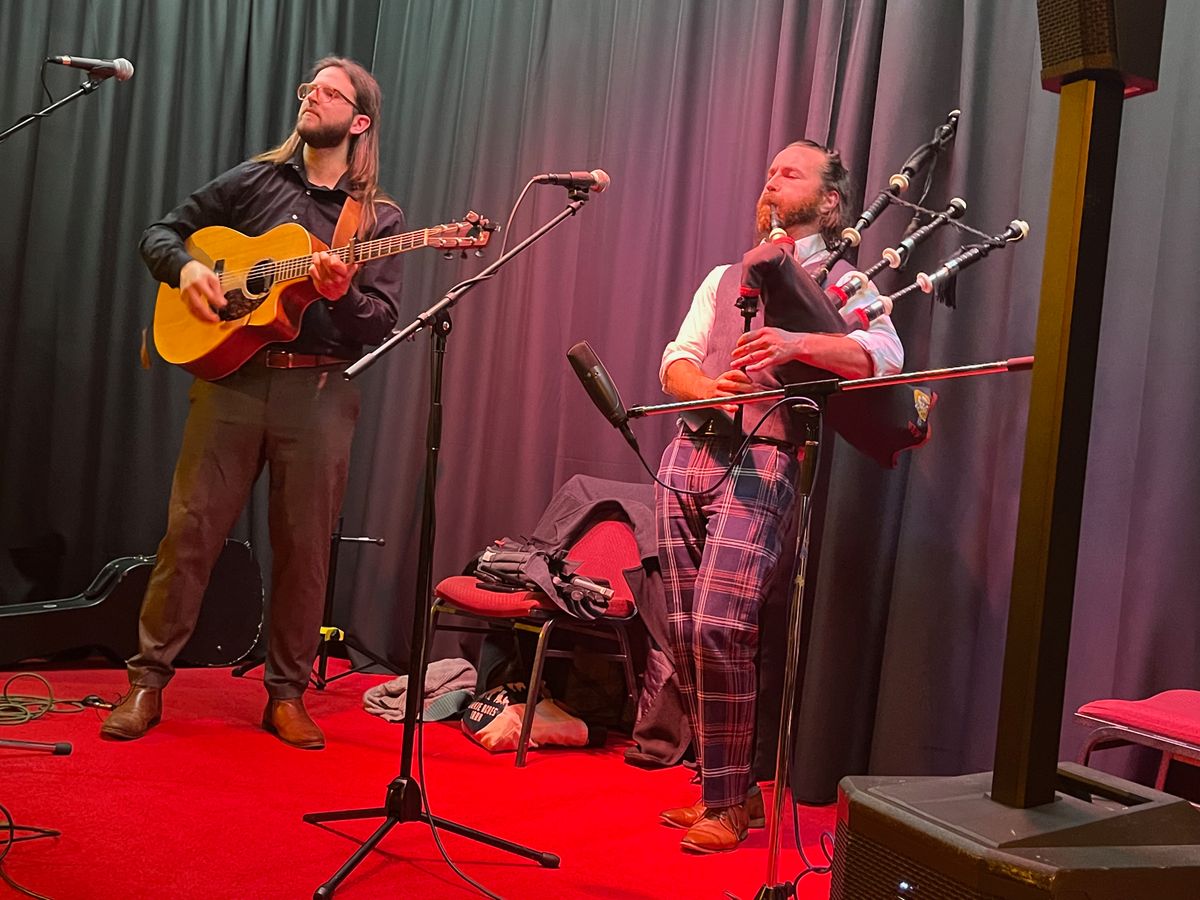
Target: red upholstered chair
(1168, 722)
(605, 550)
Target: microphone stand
(404, 801)
(61, 748)
(813, 396)
(86, 88)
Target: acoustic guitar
(265, 281)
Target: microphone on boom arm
(97, 68)
(596, 180)
(599, 385)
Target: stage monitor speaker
(1103, 838)
(1080, 38)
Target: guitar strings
(297, 267)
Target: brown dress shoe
(687, 816)
(137, 713)
(719, 830)
(289, 721)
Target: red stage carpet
(209, 806)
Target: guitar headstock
(473, 232)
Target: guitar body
(266, 286)
(261, 309)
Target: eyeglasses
(324, 93)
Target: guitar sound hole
(243, 301)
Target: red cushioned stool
(604, 551)
(1168, 722)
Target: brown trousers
(300, 422)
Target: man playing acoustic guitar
(286, 406)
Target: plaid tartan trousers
(717, 552)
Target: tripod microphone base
(404, 803)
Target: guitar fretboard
(297, 267)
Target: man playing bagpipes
(719, 546)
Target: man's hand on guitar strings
(200, 289)
(330, 275)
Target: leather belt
(282, 359)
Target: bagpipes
(880, 423)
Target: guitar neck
(357, 252)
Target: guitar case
(104, 617)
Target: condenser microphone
(599, 385)
(99, 68)
(596, 180)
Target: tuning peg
(464, 254)
(479, 254)
(449, 254)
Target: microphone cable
(437, 837)
(9, 837)
(825, 842)
(17, 709)
(507, 229)
(508, 224)
(736, 459)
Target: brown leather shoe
(137, 713)
(719, 830)
(289, 721)
(687, 816)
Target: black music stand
(812, 396)
(404, 800)
(330, 633)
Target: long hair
(363, 152)
(834, 177)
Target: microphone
(1017, 229)
(596, 180)
(600, 387)
(99, 68)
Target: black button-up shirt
(256, 196)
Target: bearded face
(800, 211)
(795, 191)
(323, 133)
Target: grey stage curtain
(684, 104)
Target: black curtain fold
(683, 103)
